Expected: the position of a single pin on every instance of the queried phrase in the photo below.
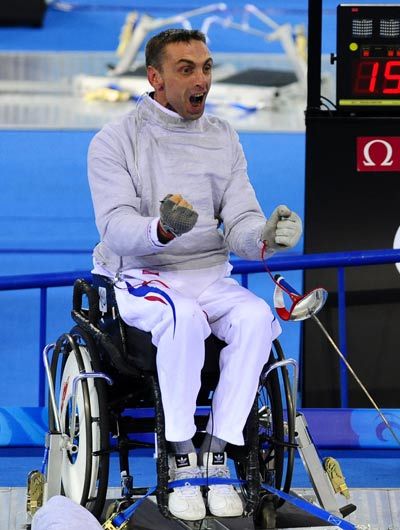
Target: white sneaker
(223, 500)
(187, 501)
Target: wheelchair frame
(93, 341)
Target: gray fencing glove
(176, 217)
(282, 230)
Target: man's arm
(240, 211)
(116, 204)
(245, 225)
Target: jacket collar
(153, 111)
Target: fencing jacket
(135, 162)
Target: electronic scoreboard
(352, 175)
(368, 56)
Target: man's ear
(155, 79)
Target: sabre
(307, 306)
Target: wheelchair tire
(266, 512)
(277, 436)
(85, 468)
(276, 443)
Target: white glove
(283, 229)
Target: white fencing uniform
(181, 309)
(133, 164)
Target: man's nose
(201, 78)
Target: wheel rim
(77, 465)
(80, 468)
(280, 437)
(271, 434)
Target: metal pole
(42, 344)
(53, 402)
(314, 54)
(344, 387)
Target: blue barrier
(330, 428)
(280, 262)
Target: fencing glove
(282, 230)
(176, 216)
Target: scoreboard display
(368, 56)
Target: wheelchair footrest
(211, 523)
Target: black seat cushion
(142, 352)
(139, 349)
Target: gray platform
(380, 509)
(42, 90)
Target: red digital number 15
(368, 77)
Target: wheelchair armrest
(81, 288)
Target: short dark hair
(156, 45)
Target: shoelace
(187, 490)
(221, 472)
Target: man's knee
(252, 313)
(250, 319)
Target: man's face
(184, 79)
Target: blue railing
(281, 262)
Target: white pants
(181, 310)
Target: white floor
(376, 509)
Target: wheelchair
(105, 398)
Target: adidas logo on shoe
(218, 459)
(182, 461)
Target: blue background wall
(45, 201)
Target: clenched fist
(176, 216)
(283, 229)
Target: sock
(211, 444)
(182, 448)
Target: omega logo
(388, 160)
(378, 153)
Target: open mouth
(197, 99)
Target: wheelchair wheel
(276, 428)
(276, 442)
(85, 465)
